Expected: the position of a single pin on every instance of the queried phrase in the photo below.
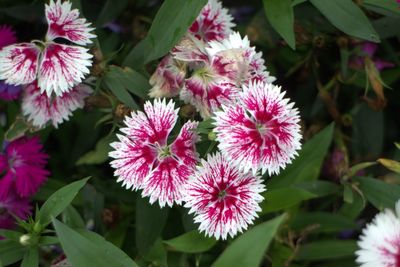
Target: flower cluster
(50, 71)
(22, 163)
(225, 79)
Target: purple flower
(7, 36)
(9, 92)
(13, 205)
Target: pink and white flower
(23, 164)
(41, 109)
(259, 131)
(145, 160)
(223, 199)
(168, 78)
(213, 23)
(64, 22)
(57, 67)
(13, 205)
(379, 243)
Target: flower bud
(28, 240)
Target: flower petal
(62, 67)
(19, 63)
(7, 36)
(64, 22)
(40, 109)
(183, 148)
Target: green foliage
(191, 242)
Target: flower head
(12, 205)
(23, 163)
(41, 109)
(168, 78)
(57, 67)
(145, 160)
(223, 199)
(379, 243)
(213, 23)
(7, 36)
(259, 131)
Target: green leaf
(117, 234)
(391, 6)
(379, 193)
(283, 198)
(191, 242)
(10, 252)
(117, 88)
(48, 240)
(280, 15)
(307, 165)
(157, 254)
(319, 188)
(249, 248)
(132, 80)
(322, 250)
(347, 17)
(89, 249)
(59, 201)
(100, 153)
(111, 10)
(353, 210)
(17, 129)
(150, 221)
(72, 218)
(169, 26)
(31, 257)
(327, 222)
(11, 235)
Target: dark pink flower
(213, 23)
(12, 205)
(259, 131)
(145, 160)
(7, 36)
(168, 78)
(41, 109)
(23, 163)
(368, 49)
(223, 199)
(57, 67)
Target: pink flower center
(14, 161)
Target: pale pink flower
(23, 167)
(12, 205)
(57, 67)
(145, 160)
(259, 131)
(213, 23)
(379, 243)
(64, 22)
(223, 199)
(41, 109)
(168, 78)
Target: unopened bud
(212, 136)
(28, 240)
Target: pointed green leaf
(280, 15)
(10, 251)
(59, 201)
(89, 249)
(347, 17)
(31, 258)
(249, 248)
(322, 250)
(191, 242)
(170, 24)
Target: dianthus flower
(145, 160)
(23, 167)
(379, 243)
(7, 36)
(12, 205)
(57, 67)
(259, 131)
(224, 200)
(40, 109)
